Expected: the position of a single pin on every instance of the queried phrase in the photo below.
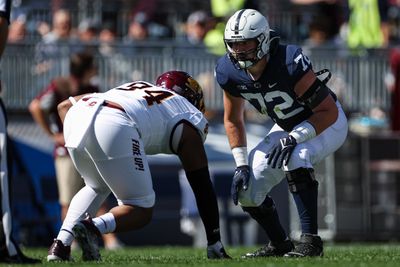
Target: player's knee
(247, 199)
(299, 157)
(301, 179)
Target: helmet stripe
(239, 16)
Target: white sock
(105, 223)
(66, 237)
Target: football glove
(217, 251)
(281, 152)
(240, 181)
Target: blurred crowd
(310, 22)
(120, 28)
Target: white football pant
(305, 155)
(112, 157)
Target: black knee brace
(267, 216)
(265, 209)
(300, 179)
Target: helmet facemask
(246, 59)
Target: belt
(113, 105)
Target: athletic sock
(66, 237)
(307, 206)
(105, 223)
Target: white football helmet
(247, 24)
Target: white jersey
(156, 112)
(109, 146)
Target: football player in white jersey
(108, 136)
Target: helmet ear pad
(183, 84)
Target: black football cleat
(19, 259)
(309, 246)
(217, 251)
(88, 236)
(272, 250)
(59, 252)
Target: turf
(335, 255)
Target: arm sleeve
(206, 201)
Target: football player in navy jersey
(279, 81)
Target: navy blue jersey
(273, 93)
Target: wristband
(303, 132)
(72, 100)
(240, 156)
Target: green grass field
(335, 255)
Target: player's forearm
(206, 200)
(64, 106)
(236, 134)
(39, 116)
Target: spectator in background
(17, 31)
(197, 26)
(107, 39)
(88, 30)
(9, 249)
(138, 29)
(395, 90)
(319, 15)
(317, 34)
(44, 111)
(116, 65)
(52, 47)
(366, 25)
(394, 21)
(319, 37)
(42, 28)
(221, 10)
(61, 27)
(87, 33)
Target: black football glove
(240, 181)
(281, 152)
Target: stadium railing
(357, 80)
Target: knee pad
(300, 179)
(266, 208)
